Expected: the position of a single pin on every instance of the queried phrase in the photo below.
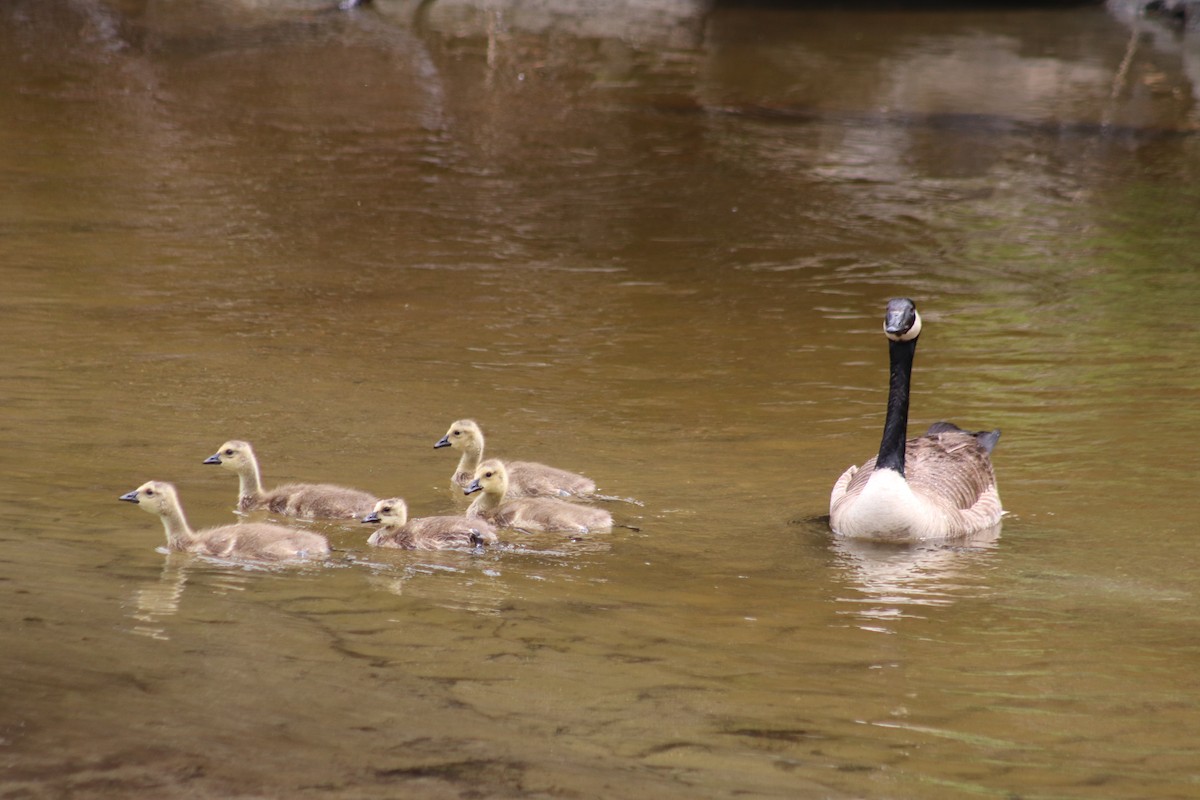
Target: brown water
(652, 245)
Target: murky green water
(652, 245)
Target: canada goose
(934, 486)
(252, 540)
(525, 478)
(310, 500)
(529, 513)
(425, 533)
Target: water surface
(653, 246)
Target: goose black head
(902, 323)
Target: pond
(652, 245)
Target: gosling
(308, 500)
(525, 478)
(425, 533)
(258, 541)
(530, 513)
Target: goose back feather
(952, 486)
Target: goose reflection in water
(894, 578)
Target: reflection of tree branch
(1123, 71)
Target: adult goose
(425, 533)
(525, 478)
(259, 541)
(529, 513)
(308, 500)
(939, 485)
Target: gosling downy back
(425, 533)
(529, 513)
(258, 541)
(307, 500)
(938, 485)
(525, 478)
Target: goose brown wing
(950, 467)
(859, 480)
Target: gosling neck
(471, 456)
(179, 533)
(485, 502)
(249, 483)
(895, 425)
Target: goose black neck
(895, 426)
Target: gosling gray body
(308, 500)
(528, 513)
(525, 478)
(426, 533)
(258, 541)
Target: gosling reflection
(155, 601)
(894, 579)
